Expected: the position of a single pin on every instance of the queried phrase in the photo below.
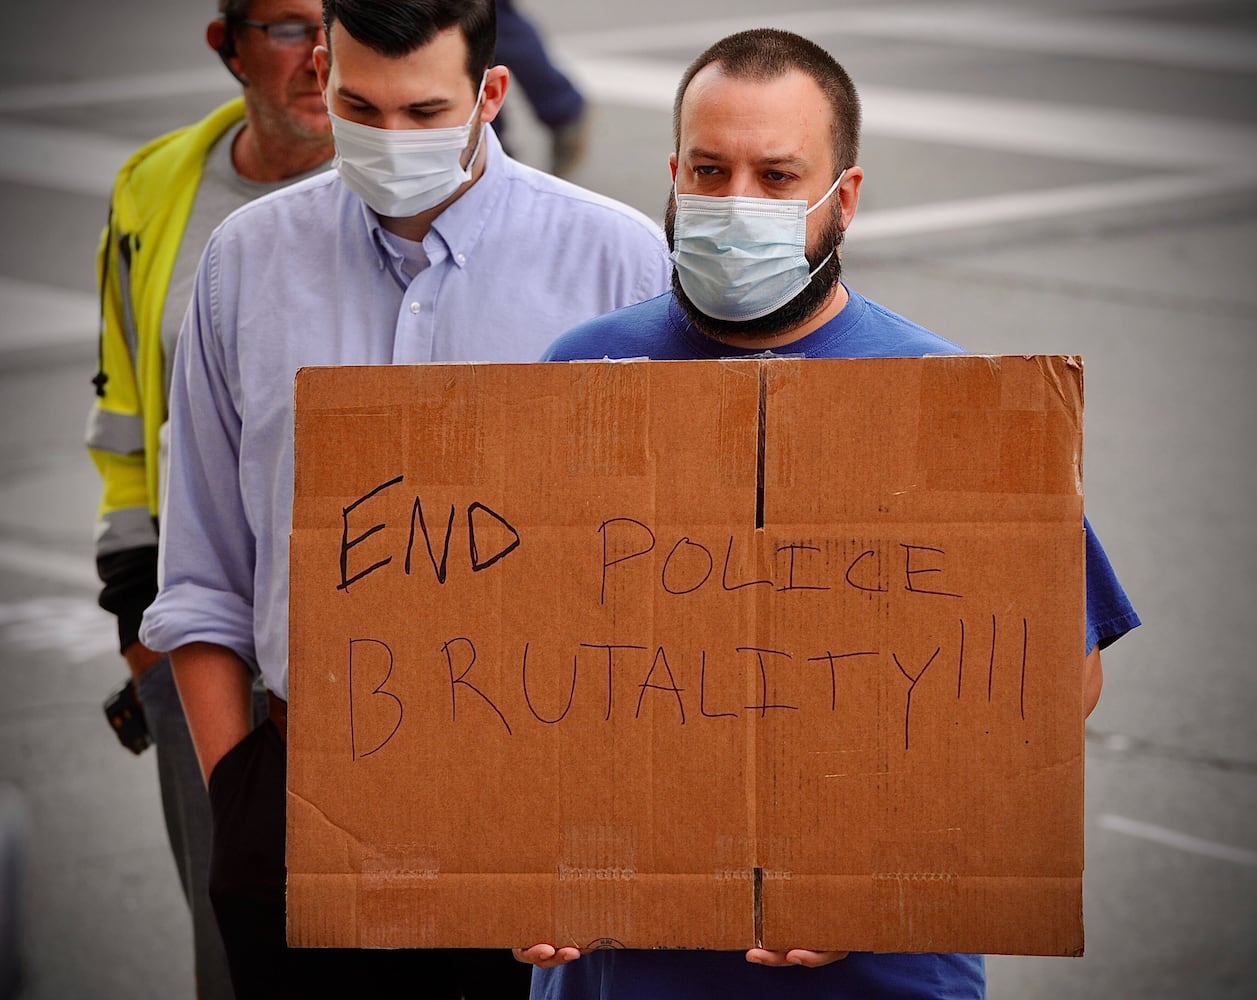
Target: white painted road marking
(991, 27)
(75, 630)
(1028, 206)
(61, 159)
(1181, 841)
(1041, 128)
(115, 89)
(33, 315)
(49, 564)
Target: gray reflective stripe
(119, 433)
(129, 528)
(124, 284)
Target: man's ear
(672, 166)
(497, 82)
(220, 38)
(322, 67)
(849, 193)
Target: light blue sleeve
(206, 548)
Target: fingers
(814, 959)
(545, 956)
(795, 956)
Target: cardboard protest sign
(689, 655)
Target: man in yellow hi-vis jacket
(167, 199)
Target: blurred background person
(14, 832)
(167, 200)
(556, 102)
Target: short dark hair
(768, 53)
(234, 10)
(234, 13)
(398, 27)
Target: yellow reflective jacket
(152, 200)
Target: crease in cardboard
(1070, 395)
(407, 862)
(595, 881)
(758, 907)
(730, 854)
(602, 873)
(597, 854)
(348, 840)
(921, 857)
(1065, 763)
(378, 861)
(761, 446)
(752, 746)
(1064, 389)
(910, 876)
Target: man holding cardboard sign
(766, 126)
(427, 244)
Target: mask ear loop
(812, 274)
(824, 199)
(474, 112)
(479, 97)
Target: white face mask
(742, 258)
(402, 172)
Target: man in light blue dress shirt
(427, 244)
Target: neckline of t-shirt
(220, 164)
(818, 343)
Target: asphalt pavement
(1043, 176)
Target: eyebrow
(433, 104)
(790, 162)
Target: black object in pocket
(126, 718)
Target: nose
(743, 183)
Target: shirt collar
(462, 224)
(456, 232)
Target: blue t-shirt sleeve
(641, 330)
(1110, 614)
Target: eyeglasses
(287, 33)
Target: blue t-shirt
(727, 975)
(659, 329)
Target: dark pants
(246, 884)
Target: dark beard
(787, 317)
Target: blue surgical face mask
(742, 258)
(403, 172)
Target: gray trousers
(186, 807)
